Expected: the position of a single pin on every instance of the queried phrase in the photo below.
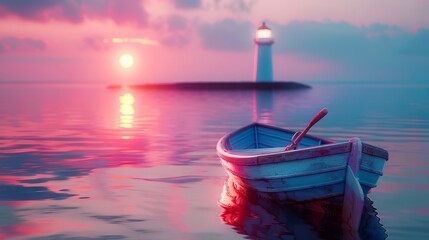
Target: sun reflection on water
(127, 110)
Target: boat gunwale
(328, 148)
(293, 155)
(375, 151)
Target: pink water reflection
(73, 167)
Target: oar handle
(295, 141)
(322, 113)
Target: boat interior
(259, 136)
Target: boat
(254, 157)
(309, 168)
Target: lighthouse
(263, 68)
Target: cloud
(98, 43)
(8, 44)
(332, 40)
(176, 23)
(374, 51)
(76, 11)
(187, 4)
(173, 30)
(227, 35)
(177, 31)
(343, 41)
(95, 43)
(175, 40)
(240, 5)
(416, 44)
(142, 41)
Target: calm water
(86, 162)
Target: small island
(278, 85)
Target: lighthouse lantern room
(263, 69)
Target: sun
(126, 61)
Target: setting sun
(126, 61)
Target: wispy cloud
(175, 31)
(240, 5)
(9, 44)
(374, 51)
(378, 47)
(99, 43)
(76, 11)
(142, 41)
(228, 35)
(187, 4)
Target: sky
(384, 41)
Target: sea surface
(88, 162)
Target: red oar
(295, 141)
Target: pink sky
(211, 40)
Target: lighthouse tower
(263, 69)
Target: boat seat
(254, 151)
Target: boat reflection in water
(266, 219)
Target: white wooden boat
(255, 158)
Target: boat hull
(316, 170)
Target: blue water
(87, 162)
